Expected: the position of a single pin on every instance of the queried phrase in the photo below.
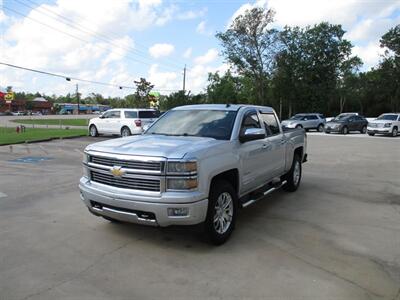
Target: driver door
(251, 154)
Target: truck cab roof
(228, 107)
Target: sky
(119, 41)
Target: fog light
(178, 211)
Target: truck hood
(154, 145)
(381, 121)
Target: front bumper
(382, 130)
(332, 129)
(129, 209)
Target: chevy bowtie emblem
(117, 171)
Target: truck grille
(129, 164)
(126, 182)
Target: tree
(250, 45)
(143, 88)
(222, 89)
(311, 65)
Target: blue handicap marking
(31, 159)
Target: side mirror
(251, 134)
(101, 117)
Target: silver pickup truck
(196, 164)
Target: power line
(69, 78)
(87, 30)
(66, 33)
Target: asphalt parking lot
(337, 237)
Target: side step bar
(252, 201)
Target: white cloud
(3, 16)
(163, 80)
(188, 53)
(161, 50)
(208, 57)
(202, 28)
(190, 14)
(370, 54)
(365, 21)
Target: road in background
(337, 237)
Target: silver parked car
(306, 121)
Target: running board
(252, 201)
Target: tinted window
(251, 121)
(148, 114)
(387, 117)
(312, 117)
(115, 114)
(130, 114)
(216, 124)
(270, 123)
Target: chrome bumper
(140, 212)
(379, 130)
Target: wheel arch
(231, 176)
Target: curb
(45, 140)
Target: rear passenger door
(274, 154)
(312, 121)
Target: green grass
(64, 122)
(9, 136)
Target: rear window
(130, 114)
(148, 114)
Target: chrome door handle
(266, 146)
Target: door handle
(283, 142)
(266, 146)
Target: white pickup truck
(196, 164)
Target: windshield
(297, 117)
(341, 117)
(215, 124)
(387, 117)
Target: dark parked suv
(346, 123)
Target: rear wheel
(371, 133)
(363, 129)
(320, 128)
(93, 131)
(221, 213)
(345, 130)
(125, 131)
(293, 177)
(395, 131)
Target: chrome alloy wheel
(296, 172)
(223, 213)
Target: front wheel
(299, 126)
(221, 213)
(320, 128)
(395, 131)
(293, 177)
(345, 130)
(93, 131)
(371, 133)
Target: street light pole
(77, 98)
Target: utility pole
(184, 78)
(77, 98)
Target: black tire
(320, 128)
(125, 131)
(395, 132)
(93, 131)
(217, 190)
(299, 126)
(292, 183)
(111, 219)
(371, 133)
(327, 132)
(345, 130)
(363, 129)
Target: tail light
(138, 123)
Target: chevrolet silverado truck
(196, 164)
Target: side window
(130, 114)
(115, 114)
(312, 117)
(250, 121)
(271, 123)
(398, 118)
(107, 114)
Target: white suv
(385, 124)
(123, 122)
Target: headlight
(182, 167)
(180, 184)
(85, 158)
(388, 124)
